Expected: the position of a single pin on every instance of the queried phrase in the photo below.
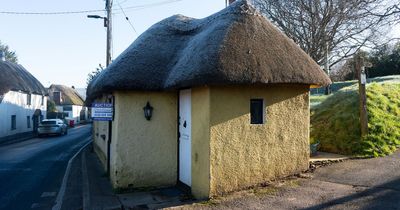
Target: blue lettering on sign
(102, 111)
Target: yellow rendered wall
(100, 137)
(201, 142)
(144, 153)
(242, 154)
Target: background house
(69, 102)
(23, 100)
(230, 99)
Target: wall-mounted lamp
(148, 111)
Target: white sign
(363, 78)
(102, 111)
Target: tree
(92, 75)
(340, 27)
(9, 55)
(51, 106)
(385, 61)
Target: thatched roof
(69, 96)
(16, 78)
(234, 46)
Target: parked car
(52, 126)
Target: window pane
(28, 121)
(256, 111)
(13, 122)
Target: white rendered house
(23, 100)
(69, 102)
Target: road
(367, 184)
(31, 172)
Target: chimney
(2, 56)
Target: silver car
(52, 126)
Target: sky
(64, 49)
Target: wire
(127, 18)
(137, 7)
(51, 13)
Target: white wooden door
(185, 139)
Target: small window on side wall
(257, 111)
(13, 122)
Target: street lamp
(107, 24)
(99, 17)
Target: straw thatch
(69, 96)
(234, 46)
(16, 78)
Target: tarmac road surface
(31, 171)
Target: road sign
(102, 111)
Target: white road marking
(48, 194)
(63, 187)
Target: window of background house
(28, 99)
(28, 121)
(13, 122)
(42, 101)
(57, 97)
(257, 111)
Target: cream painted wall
(144, 153)
(201, 142)
(100, 137)
(15, 103)
(242, 154)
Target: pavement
(88, 187)
(350, 184)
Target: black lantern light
(148, 111)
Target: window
(42, 101)
(257, 111)
(67, 108)
(28, 121)
(57, 97)
(28, 99)
(13, 122)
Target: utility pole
(362, 80)
(108, 24)
(109, 31)
(327, 88)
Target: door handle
(184, 124)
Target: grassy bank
(335, 121)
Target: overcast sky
(63, 49)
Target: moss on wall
(201, 142)
(242, 154)
(144, 153)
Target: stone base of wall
(17, 137)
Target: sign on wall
(102, 111)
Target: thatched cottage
(69, 102)
(23, 101)
(229, 96)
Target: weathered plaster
(100, 137)
(201, 142)
(144, 153)
(242, 154)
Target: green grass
(335, 121)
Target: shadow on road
(385, 196)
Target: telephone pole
(362, 80)
(108, 24)
(109, 31)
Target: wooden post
(362, 81)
